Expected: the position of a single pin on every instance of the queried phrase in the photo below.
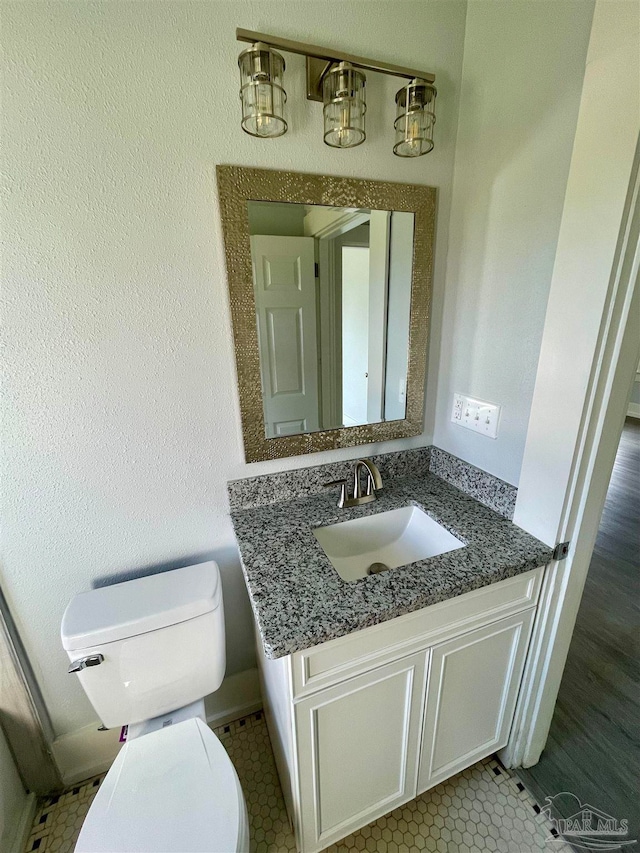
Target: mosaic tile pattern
(58, 819)
(482, 810)
(298, 598)
(249, 747)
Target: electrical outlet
(475, 415)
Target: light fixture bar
(328, 57)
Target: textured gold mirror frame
(238, 185)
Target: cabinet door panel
(358, 744)
(473, 686)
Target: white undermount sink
(392, 538)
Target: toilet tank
(161, 638)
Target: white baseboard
(85, 752)
(634, 410)
(88, 752)
(238, 696)
(25, 823)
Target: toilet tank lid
(133, 607)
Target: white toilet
(147, 651)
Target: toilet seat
(170, 791)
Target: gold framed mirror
(330, 291)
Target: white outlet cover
(475, 415)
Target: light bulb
(344, 106)
(415, 119)
(264, 105)
(261, 92)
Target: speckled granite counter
(298, 598)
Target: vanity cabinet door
(358, 746)
(473, 687)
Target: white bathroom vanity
(378, 685)
(366, 722)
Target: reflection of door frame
(330, 313)
(328, 224)
(329, 334)
(380, 229)
(356, 331)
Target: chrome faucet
(373, 485)
(374, 480)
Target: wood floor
(593, 749)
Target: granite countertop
(298, 598)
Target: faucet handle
(343, 490)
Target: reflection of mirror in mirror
(333, 296)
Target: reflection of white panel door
(285, 290)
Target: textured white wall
(522, 79)
(123, 424)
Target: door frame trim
(23, 715)
(587, 366)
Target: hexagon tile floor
(482, 809)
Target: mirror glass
(332, 290)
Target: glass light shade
(261, 92)
(344, 106)
(415, 118)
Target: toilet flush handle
(83, 663)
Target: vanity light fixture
(336, 79)
(344, 106)
(415, 119)
(261, 91)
